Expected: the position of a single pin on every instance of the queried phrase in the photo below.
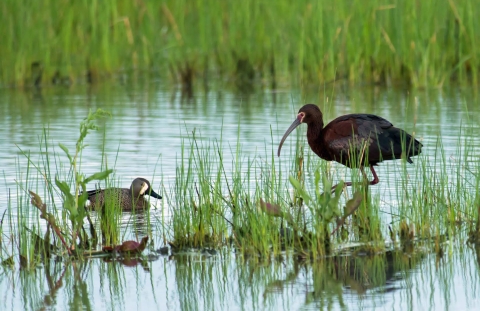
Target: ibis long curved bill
(294, 125)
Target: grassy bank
(417, 43)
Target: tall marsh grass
(259, 204)
(419, 43)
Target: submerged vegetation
(418, 43)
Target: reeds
(258, 204)
(250, 206)
(64, 225)
(405, 42)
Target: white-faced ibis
(127, 199)
(354, 139)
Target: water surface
(150, 122)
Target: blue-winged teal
(127, 199)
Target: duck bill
(154, 194)
(294, 125)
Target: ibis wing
(354, 137)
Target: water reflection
(198, 282)
(134, 224)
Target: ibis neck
(316, 140)
(314, 131)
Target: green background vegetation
(418, 43)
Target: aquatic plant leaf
(296, 184)
(339, 188)
(82, 199)
(352, 204)
(65, 149)
(332, 201)
(328, 215)
(317, 177)
(333, 206)
(63, 186)
(98, 176)
(327, 184)
(69, 202)
(350, 207)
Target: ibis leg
(375, 177)
(373, 182)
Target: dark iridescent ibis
(127, 199)
(354, 139)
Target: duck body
(127, 199)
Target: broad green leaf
(82, 200)
(352, 204)
(69, 202)
(69, 205)
(98, 176)
(296, 184)
(327, 184)
(63, 186)
(328, 215)
(65, 149)
(79, 178)
(339, 188)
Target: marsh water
(150, 123)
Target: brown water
(149, 122)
